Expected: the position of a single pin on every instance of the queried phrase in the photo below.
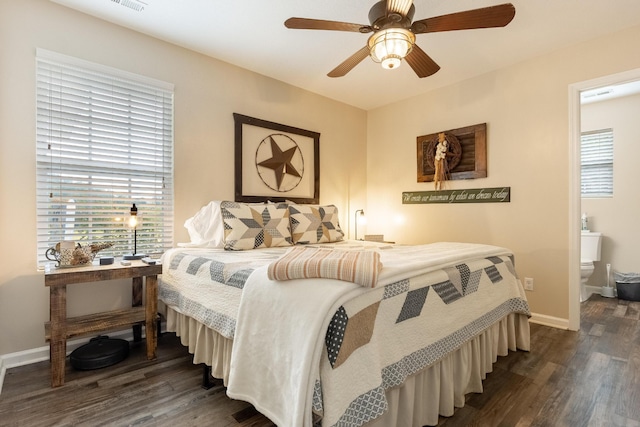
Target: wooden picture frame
(472, 159)
(275, 162)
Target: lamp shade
(134, 219)
(390, 46)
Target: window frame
(104, 141)
(596, 163)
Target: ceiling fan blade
(399, 6)
(349, 63)
(320, 24)
(421, 63)
(486, 17)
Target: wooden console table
(59, 328)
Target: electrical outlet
(528, 283)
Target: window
(596, 163)
(104, 141)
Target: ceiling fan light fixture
(391, 62)
(390, 46)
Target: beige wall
(617, 217)
(526, 110)
(207, 92)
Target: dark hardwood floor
(585, 378)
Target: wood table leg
(136, 301)
(58, 338)
(151, 315)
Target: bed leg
(208, 381)
(159, 326)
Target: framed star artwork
(275, 162)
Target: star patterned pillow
(314, 224)
(252, 226)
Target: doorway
(575, 91)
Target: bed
(396, 338)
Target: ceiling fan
(394, 33)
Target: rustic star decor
(281, 163)
(275, 162)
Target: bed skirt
(436, 390)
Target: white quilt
(280, 347)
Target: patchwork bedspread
(206, 284)
(429, 300)
(380, 338)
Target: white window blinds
(104, 141)
(596, 155)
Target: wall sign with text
(473, 195)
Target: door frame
(574, 181)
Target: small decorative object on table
(67, 254)
(106, 260)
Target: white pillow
(206, 228)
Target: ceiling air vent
(598, 94)
(136, 5)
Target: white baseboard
(592, 290)
(554, 322)
(598, 290)
(40, 354)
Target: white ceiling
(251, 35)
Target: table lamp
(134, 221)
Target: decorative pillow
(314, 224)
(250, 226)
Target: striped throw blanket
(357, 266)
